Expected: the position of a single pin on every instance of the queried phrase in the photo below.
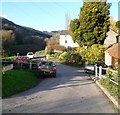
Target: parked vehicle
(21, 59)
(46, 68)
(30, 54)
(90, 67)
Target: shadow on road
(67, 76)
(71, 92)
(72, 85)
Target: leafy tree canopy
(92, 25)
(118, 24)
(18, 39)
(74, 28)
(113, 24)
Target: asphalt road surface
(71, 92)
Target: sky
(45, 16)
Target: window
(66, 41)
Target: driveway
(71, 92)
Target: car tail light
(54, 68)
(39, 67)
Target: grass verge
(17, 81)
(110, 87)
(8, 58)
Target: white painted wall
(111, 38)
(68, 38)
(108, 59)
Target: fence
(21, 65)
(7, 68)
(111, 74)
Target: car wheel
(54, 76)
(86, 71)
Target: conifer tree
(93, 23)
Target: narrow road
(71, 92)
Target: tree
(113, 24)
(56, 37)
(7, 37)
(51, 42)
(94, 23)
(118, 26)
(74, 29)
(95, 53)
(50, 45)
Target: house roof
(57, 47)
(64, 32)
(114, 51)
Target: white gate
(98, 73)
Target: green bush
(41, 52)
(63, 56)
(80, 55)
(95, 53)
(50, 52)
(75, 58)
(71, 57)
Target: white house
(66, 39)
(111, 38)
(112, 54)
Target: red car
(21, 59)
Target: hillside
(20, 39)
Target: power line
(27, 14)
(67, 15)
(48, 13)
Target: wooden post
(3, 70)
(100, 71)
(18, 63)
(11, 69)
(96, 71)
(17, 54)
(30, 65)
(21, 65)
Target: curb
(106, 93)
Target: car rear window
(30, 54)
(43, 63)
(51, 64)
(47, 63)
